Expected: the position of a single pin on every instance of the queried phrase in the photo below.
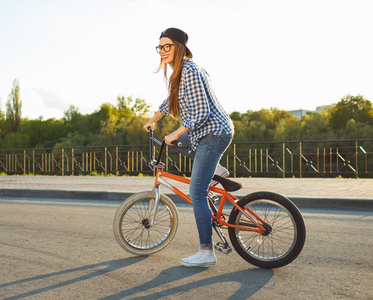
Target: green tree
(2, 121)
(110, 128)
(236, 116)
(315, 127)
(121, 124)
(74, 121)
(128, 108)
(287, 129)
(357, 130)
(43, 134)
(15, 140)
(132, 131)
(98, 116)
(265, 125)
(351, 107)
(14, 109)
(75, 140)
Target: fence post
(255, 159)
(72, 162)
(105, 161)
(33, 161)
(227, 161)
(356, 159)
(267, 154)
(283, 160)
(250, 166)
(300, 160)
(63, 161)
(83, 163)
(110, 167)
(166, 158)
(137, 161)
(331, 159)
(234, 161)
(116, 161)
(24, 162)
(261, 160)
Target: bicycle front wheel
(285, 235)
(132, 228)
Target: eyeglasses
(165, 48)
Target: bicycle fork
(153, 210)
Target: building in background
(300, 113)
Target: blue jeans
(206, 158)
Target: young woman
(207, 125)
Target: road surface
(65, 249)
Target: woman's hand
(175, 135)
(170, 138)
(149, 124)
(152, 121)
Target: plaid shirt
(199, 109)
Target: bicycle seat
(228, 185)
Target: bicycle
(266, 229)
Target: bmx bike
(266, 229)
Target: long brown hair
(174, 82)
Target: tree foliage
(14, 109)
(122, 124)
(2, 121)
(351, 107)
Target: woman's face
(168, 57)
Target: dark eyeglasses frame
(165, 48)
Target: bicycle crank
(222, 246)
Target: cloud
(51, 100)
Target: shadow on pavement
(250, 282)
(110, 267)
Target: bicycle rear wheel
(132, 224)
(285, 236)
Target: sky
(290, 54)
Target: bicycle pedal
(214, 198)
(223, 248)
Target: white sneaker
(203, 258)
(221, 171)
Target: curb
(117, 196)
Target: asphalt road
(65, 249)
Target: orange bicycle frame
(219, 212)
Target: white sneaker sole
(206, 264)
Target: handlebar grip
(177, 143)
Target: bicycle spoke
(136, 225)
(281, 238)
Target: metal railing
(324, 158)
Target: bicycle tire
(285, 239)
(131, 224)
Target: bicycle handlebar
(162, 144)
